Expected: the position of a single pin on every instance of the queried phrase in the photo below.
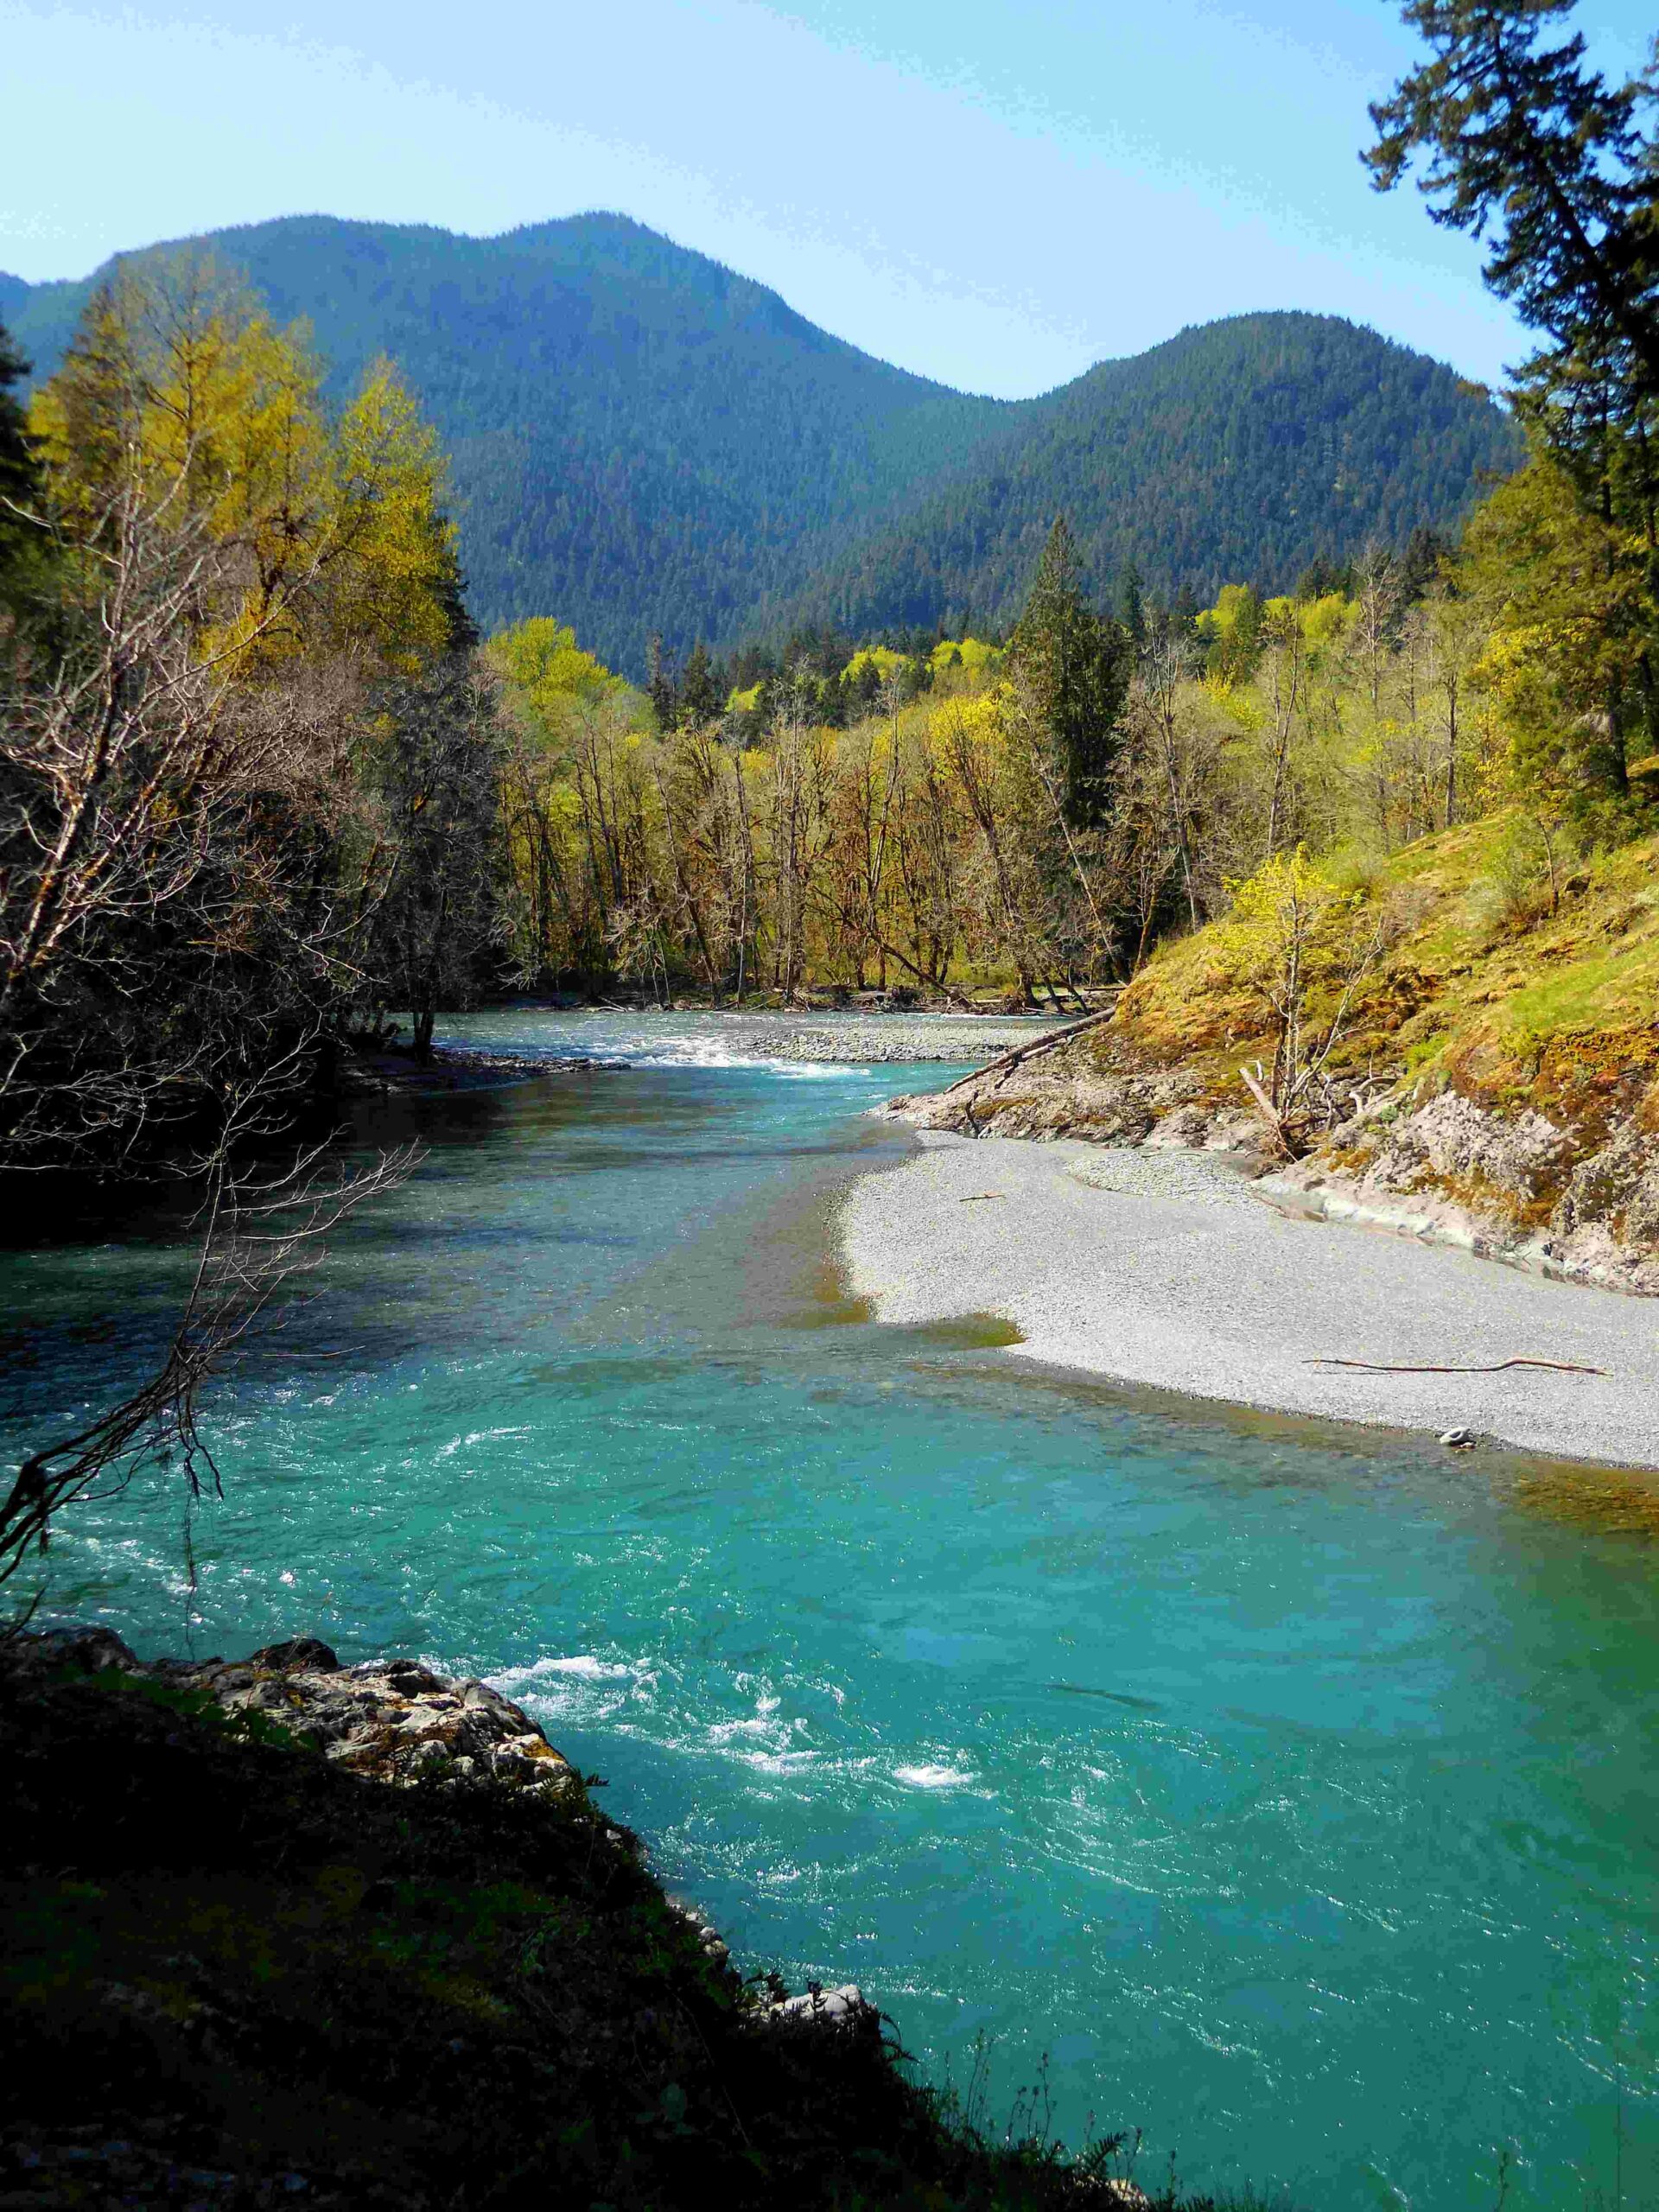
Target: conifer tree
(1522, 145)
(1077, 664)
(1525, 147)
(659, 684)
(701, 699)
(1132, 606)
(19, 478)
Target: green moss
(1455, 999)
(1617, 986)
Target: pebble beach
(1172, 1270)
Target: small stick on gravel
(979, 1198)
(1556, 1366)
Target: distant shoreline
(852, 1037)
(1166, 1270)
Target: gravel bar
(869, 1040)
(1168, 1269)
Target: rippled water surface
(1294, 1792)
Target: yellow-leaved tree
(394, 580)
(181, 408)
(1300, 944)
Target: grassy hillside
(643, 442)
(1483, 987)
(1495, 1076)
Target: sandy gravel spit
(1169, 1270)
(882, 1038)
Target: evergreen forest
(649, 445)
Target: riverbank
(280, 1931)
(886, 1038)
(1491, 1085)
(1171, 1269)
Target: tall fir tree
(1077, 662)
(701, 698)
(1527, 149)
(1132, 606)
(1516, 141)
(659, 684)
(20, 483)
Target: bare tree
(1153, 717)
(1303, 946)
(138, 795)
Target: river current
(1291, 1791)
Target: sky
(992, 195)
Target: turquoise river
(1292, 1791)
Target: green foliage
(1523, 874)
(1521, 144)
(658, 447)
(700, 696)
(1073, 666)
(1537, 155)
(1573, 627)
(1231, 633)
(549, 671)
(19, 482)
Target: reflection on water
(1293, 1791)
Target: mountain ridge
(644, 441)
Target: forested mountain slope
(644, 441)
(639, 440)
(1241, 448)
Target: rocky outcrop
(1065, 1095)
(386, 1720)
(1566, 1185)
(1516, 1186)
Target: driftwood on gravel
(1045, 1043)
(1372, 1367)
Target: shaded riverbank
(251, 1970)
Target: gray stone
(307, 1654)
(820, 2008)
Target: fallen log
(1013, 1058)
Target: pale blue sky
(992, 195)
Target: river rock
(846, 2007)
(305, 1654)
(387, 1719)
